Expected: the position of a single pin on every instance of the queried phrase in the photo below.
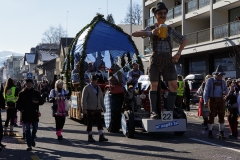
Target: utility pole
(66, 28)
(130, 17)
(107, 7)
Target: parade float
(103, 42)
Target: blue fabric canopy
(105, 37)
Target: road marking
(213, 144)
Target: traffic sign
(29, 75)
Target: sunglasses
(161, 13)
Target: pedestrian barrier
(75, 110)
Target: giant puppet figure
(162, 61)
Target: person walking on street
(2, 106)
(180, 91)
(28, 103)
(233, 110)
(203, 111)
(10, 95)
(187, 96)
(58, 97)
(92, 103)
(161, 60)
(44, 90)
(214, 97)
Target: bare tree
(110, 19)
(53, 35)
(136, 15)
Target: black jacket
(24, 104)
(2, 101)
(232, 96)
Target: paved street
(193, 145)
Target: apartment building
(12, 68)
(212, 31)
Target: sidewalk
(194, 113)
(15, 147)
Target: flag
(94, 55)
(125, 86)
(110, 78)
(115, 75)
(147, 50)
(128, 66)
(89, 74)
(142, 56)
(122, 71)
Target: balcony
(221, 31)
(198, 37)
(194, 5)
(226, 30)
(174, 12)
(215, 1)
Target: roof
(30, 57)
(46, 56)
(65, 42)
(47, 46)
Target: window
(150, 13)
(197, 67)
(226, 63)
(233, 13)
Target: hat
(93, 77)
(29, 80)
(159, 7)
(219, 71)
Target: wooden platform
(76, 112)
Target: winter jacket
(29, 109)
(91, 100)
(232, 98)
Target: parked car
(194, 81)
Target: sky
(23, 22)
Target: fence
(196, 4)
(198, 37)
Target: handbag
(67, 104)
